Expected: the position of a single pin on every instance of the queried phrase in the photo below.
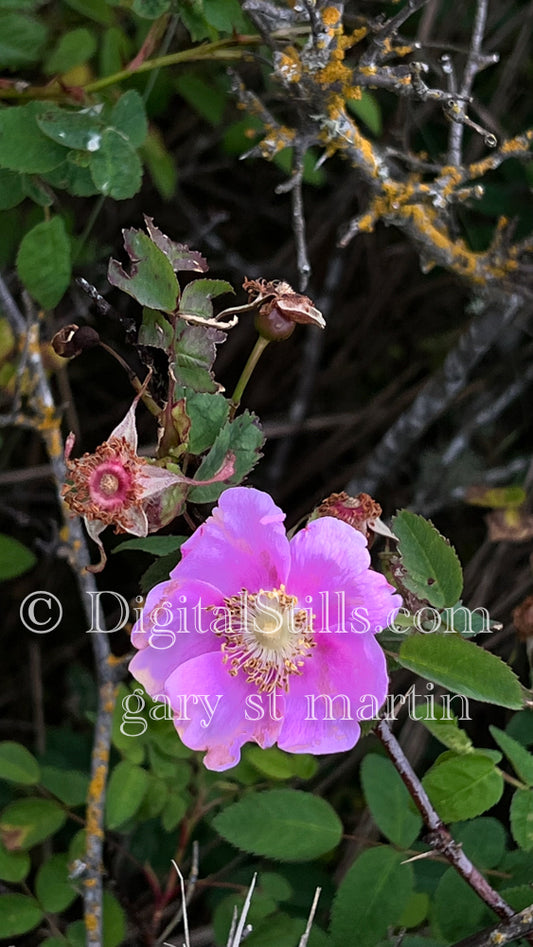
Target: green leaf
(23, 147)
(520, 727)
(14, 866)
(195, 351)
(179, 254)
(371, 897)
(127, 786)
(70, 786)
(462, 787)
(113, 921)
(522, 818)
(463, 667)
(197, 296)
(73, 49)
(416, 910)
(482, 839)
(22, 39)
(433, 570)
(18, 914)
(444, 729)
(208, 414)
(98, 10)
(225, 15)
(173, 812)
(160, 164)
(151, 280)
(15, 559)
(521, 760)
(155, 330)
(388, 800)
(209, 101)
(244, 438)
(150, 9)
(80, 129)
(26, 822)
(129, 117)
(11, 189)
(52, 887)
(468, 909)
(159, 571)
(285, 824)
(277, 764)
(17, 764)
(156, 545)
(367, 109)
(43, 262)
(115, 167)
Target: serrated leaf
(155, 545)
(11, 189)
(43, 262)
(15, 558)
(443, 728)
(23, 147)
(483, 840)
(388, 800)
(52, 887)
(371, 897)
(70, 786)
(26, 822)
(468, 908)
(462, 667)
(180, 256)
(285, 824)
(522, 818)
(462, 787)
(277, 764)
(244, 438)
(115, 167)
(73, 49)
(151, 280)
(18, 914)
(433, 569)
(197, 296)
(125, 792)
(18, 765)
(208, 414)
(80, 129)
(224, 15)
(22, 39)
(195, 351)
(129, 118)
(14, 866)
(150, 9)
(155, 330)
(521, 760)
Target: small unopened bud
(72, 340)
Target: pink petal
(242, 545)
(174, 627)
(127, 427)
(349, 669)
(221, 727)
(329, 573)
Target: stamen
(267, 636)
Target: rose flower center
(109, 484)
(267, 636)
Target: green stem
(255, 355)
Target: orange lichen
(334, 72)
(403, 50)
(331, 16)
(289, 65)
(91, 922)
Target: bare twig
(470, 71)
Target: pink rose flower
(258, 638)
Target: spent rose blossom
(253, 633)
(116, 487)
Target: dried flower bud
(361, 512)
(279, 308)
(72, 340)
(523, 618)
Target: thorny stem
(46, 420)
(439, 837)
(255, 355)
